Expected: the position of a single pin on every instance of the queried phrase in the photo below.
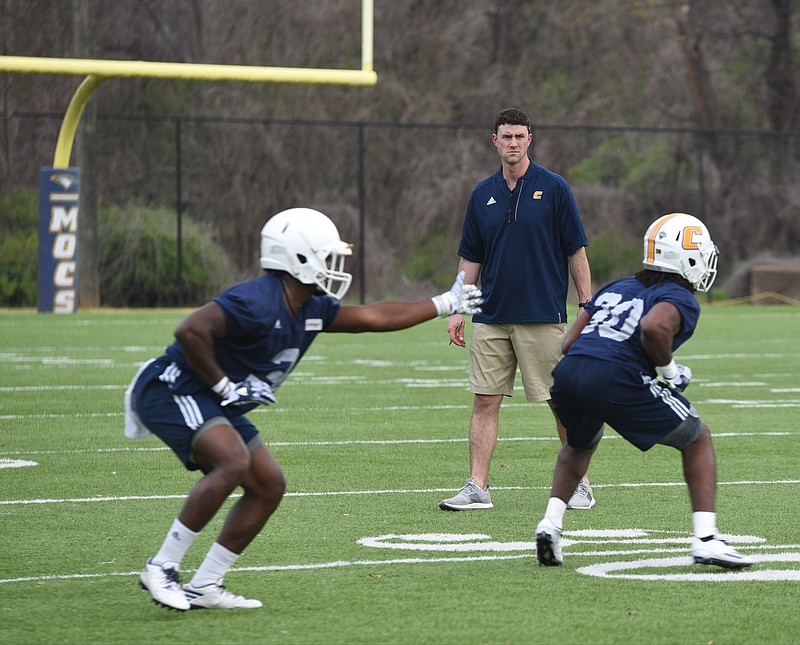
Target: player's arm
(382, 316)
(391, 316)
(455, 326)
(196, 335)
(657, 328)
(577, 327)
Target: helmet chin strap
(287, 296)
(295, 293)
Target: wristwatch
(582, 305)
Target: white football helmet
(680, 243)
(306, 244)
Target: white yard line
(392, 491)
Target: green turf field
(371, 433)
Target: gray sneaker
(470, 498)
(582, 498)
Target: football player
(230, 356)
(615, 351)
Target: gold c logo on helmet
(688, 237)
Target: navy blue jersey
(613, 332)
(261, 337)
(522, 241)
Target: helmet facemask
(710, 257)
(334, 281)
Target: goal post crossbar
(99, 70)
(184, 71)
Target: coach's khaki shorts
(496, 350)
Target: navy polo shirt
(522, 240)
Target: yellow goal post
(59, 185)
(97, 71)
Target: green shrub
(617, 162)
(138, 256)
(18, 248)
(611, 257)
(139, 259)
(427, 262)
(603, 165)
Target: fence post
(179, 207)
(361, 214)
(701, 181)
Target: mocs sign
(58, 240)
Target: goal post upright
(367, 37)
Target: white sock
(705, 523)
(176, 544)
(215, 566)
(555, 511)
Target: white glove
(461, 299)
(251, 390)
(676, 376)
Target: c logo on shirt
(537, 194)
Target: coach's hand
(455, 329)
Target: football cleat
(215, 596)
(163, 583)
(548, 544)
(713, 550)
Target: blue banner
(58, 240)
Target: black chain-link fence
(399, 191)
